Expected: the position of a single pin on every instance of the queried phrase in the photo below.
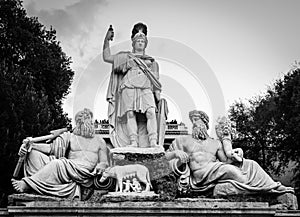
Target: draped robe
(204, 171)
(55, 174)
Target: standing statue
(203, 162)
(72, 160)
(134, 93)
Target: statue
(224, 129)
(136, 186)
(203, 162)
(121, 172)
(72, 160)
(127, 186)
(134, 94)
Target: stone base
(51, 206)
(130, 196)
(23, 198)
(199, 207)
(286, 201)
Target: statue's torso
(135, 77)
(202, 153)
(84, 151)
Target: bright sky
(210, 52)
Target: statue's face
(199, 128)
(139, 45)
(197, 121)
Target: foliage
(269, 126)
(35, 76)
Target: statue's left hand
(237, 154)
(157, 95)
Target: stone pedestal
(25, 205)
(288, 201)
(279, 201)
(183, 207)
(153, 158)
(161, 175)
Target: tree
(286, 97)
(35, 76)
(269, 128)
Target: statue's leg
(132, 128)
(35, 161)
(231, 172)
(152, 126)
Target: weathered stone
(146, 208)
(288, 200)
(130, 196)
(21, 199)
(137, 154)
(178, 207)
(227, 189)
(97, 196)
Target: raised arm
(227, 154)
(224, 131)
(107, 57)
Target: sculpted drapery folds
(203, 162)
(133, 93)
(69, 162)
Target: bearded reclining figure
(70, 161)
(203, 162)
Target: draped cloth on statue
(131, 86)
(201, 175)
(55, 175)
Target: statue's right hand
(25, 147)
(182, 156)
(23, 150)
(110, 34)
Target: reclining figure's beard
(85, 129)
(199, 133)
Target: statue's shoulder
(101, 141)
(147, 57)
(66, 136)
(185, 139)
(215, 142)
